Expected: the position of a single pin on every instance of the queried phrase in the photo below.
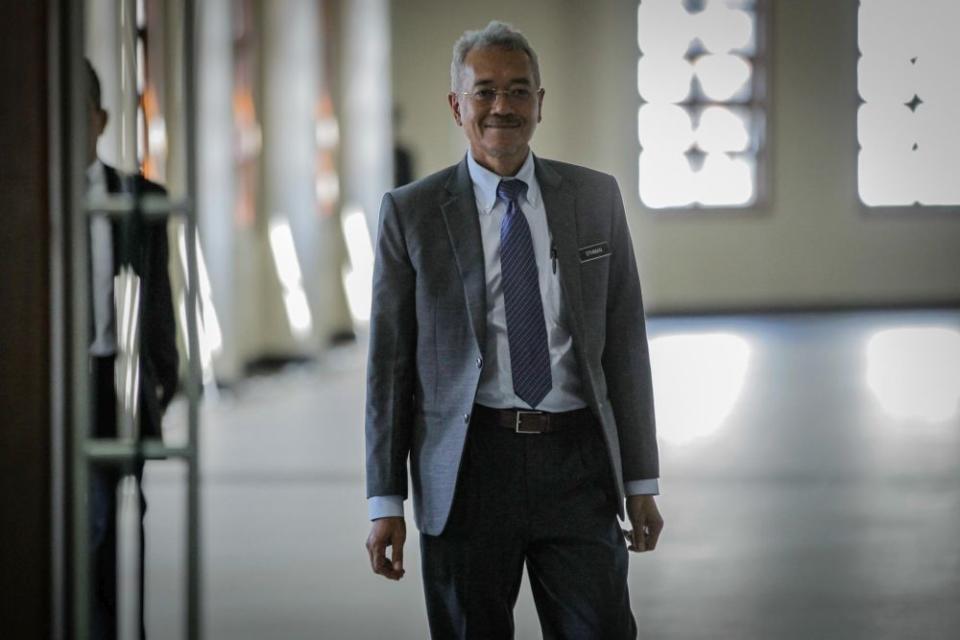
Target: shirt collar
(485, 183)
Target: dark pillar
(25, 374)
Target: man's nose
(501, 103)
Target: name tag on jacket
(594, 252)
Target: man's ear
(102, 118)
(454, 101)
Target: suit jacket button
(466, 418)
(480, 362)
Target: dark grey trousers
(541, 500)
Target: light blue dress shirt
(496, 382)
(496, 379)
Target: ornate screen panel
(702, 120)
(907, 123)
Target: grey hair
(495, 34)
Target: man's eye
(486, 94)
(520, 93)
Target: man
(139, 246)
(508, 360)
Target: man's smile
(511, 124)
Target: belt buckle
(541, 424)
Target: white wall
(814, 245)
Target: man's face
(500, 130)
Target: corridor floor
(810, 487)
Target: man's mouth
(502, 125)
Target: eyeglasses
(515, 96)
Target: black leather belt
(533, 422)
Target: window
(907, 122)
(702, 122)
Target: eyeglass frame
(506, 93)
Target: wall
(812, 246)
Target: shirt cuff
(385, 507)
(650, 487)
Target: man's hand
(387, 532)
(647, 523)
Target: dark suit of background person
(141, 245)
(489, 499)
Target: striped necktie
(526, 326)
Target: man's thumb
(397, 555)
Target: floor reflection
(914, 372)
(698, 378)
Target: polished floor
(810, 486)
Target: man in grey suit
(508, 362)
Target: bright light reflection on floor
(358, 276)
(291, 280)
(209, 335)
(915, 372)
(697, 380)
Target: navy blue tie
(526, 327)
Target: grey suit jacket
(428, 326)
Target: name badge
(594, 252)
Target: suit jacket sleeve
(626, 358)
(391, 366)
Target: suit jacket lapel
(463, 227)
(560, 204)
(127, 231)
